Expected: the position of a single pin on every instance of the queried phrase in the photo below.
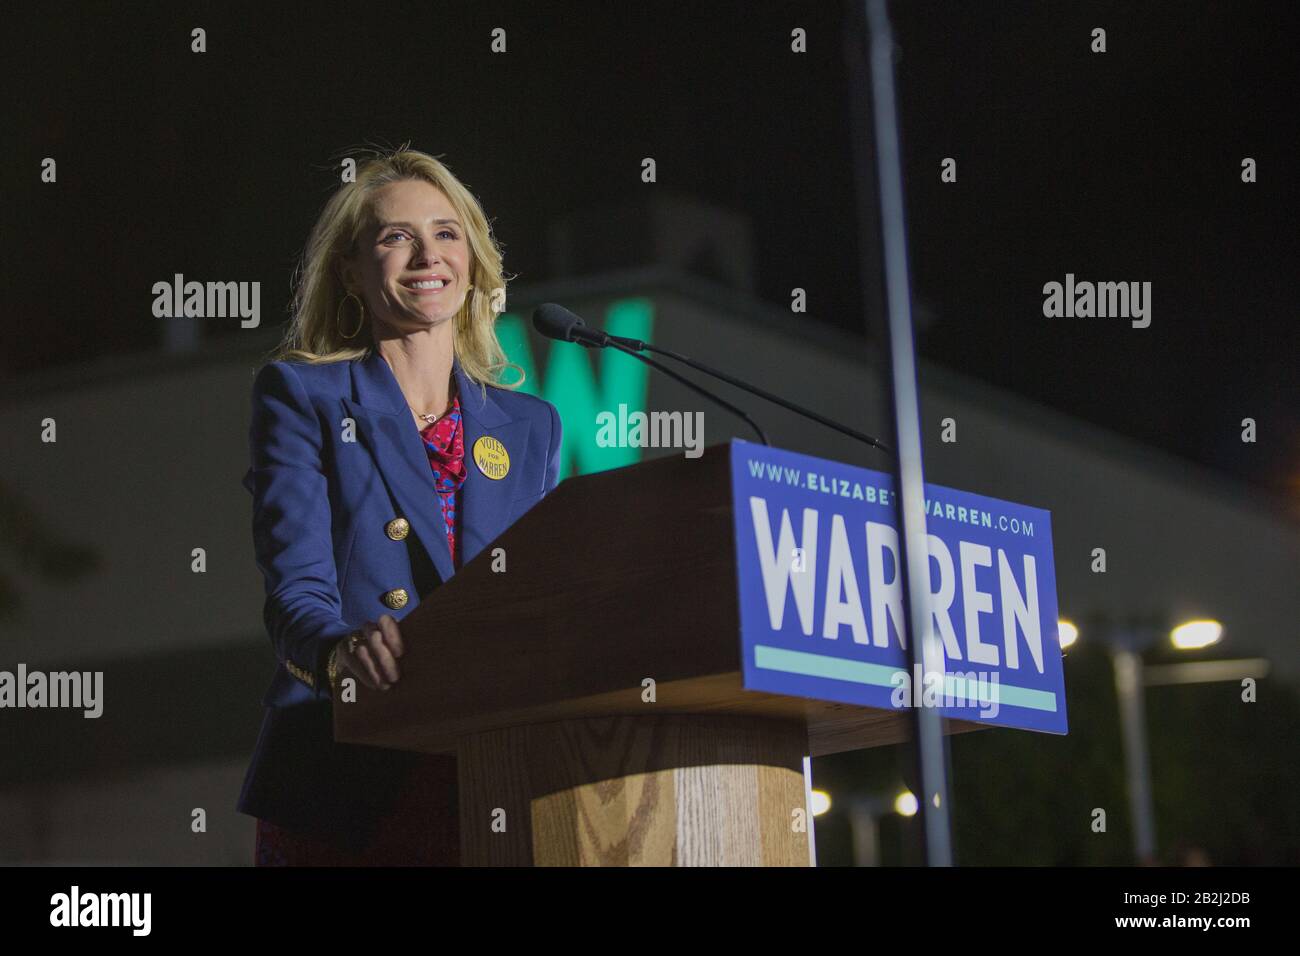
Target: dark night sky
(1122, 166)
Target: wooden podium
(618, 587)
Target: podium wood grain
(635, 791)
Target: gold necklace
(431, 419)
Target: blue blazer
(336, 458)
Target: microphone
(555, 321)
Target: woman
(385, 453)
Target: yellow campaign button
(491, 457)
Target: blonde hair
(313, 333)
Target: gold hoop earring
(360, 321)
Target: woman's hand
(374, 662)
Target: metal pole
(1129, 686)
(924, 647)
(864, 822)
(1202, 672)
(807, 802)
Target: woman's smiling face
(412, 239)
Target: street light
(865, 814)
(1130, 682)
(1067, 632)
(1196, 634)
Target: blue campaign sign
(821, 605)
